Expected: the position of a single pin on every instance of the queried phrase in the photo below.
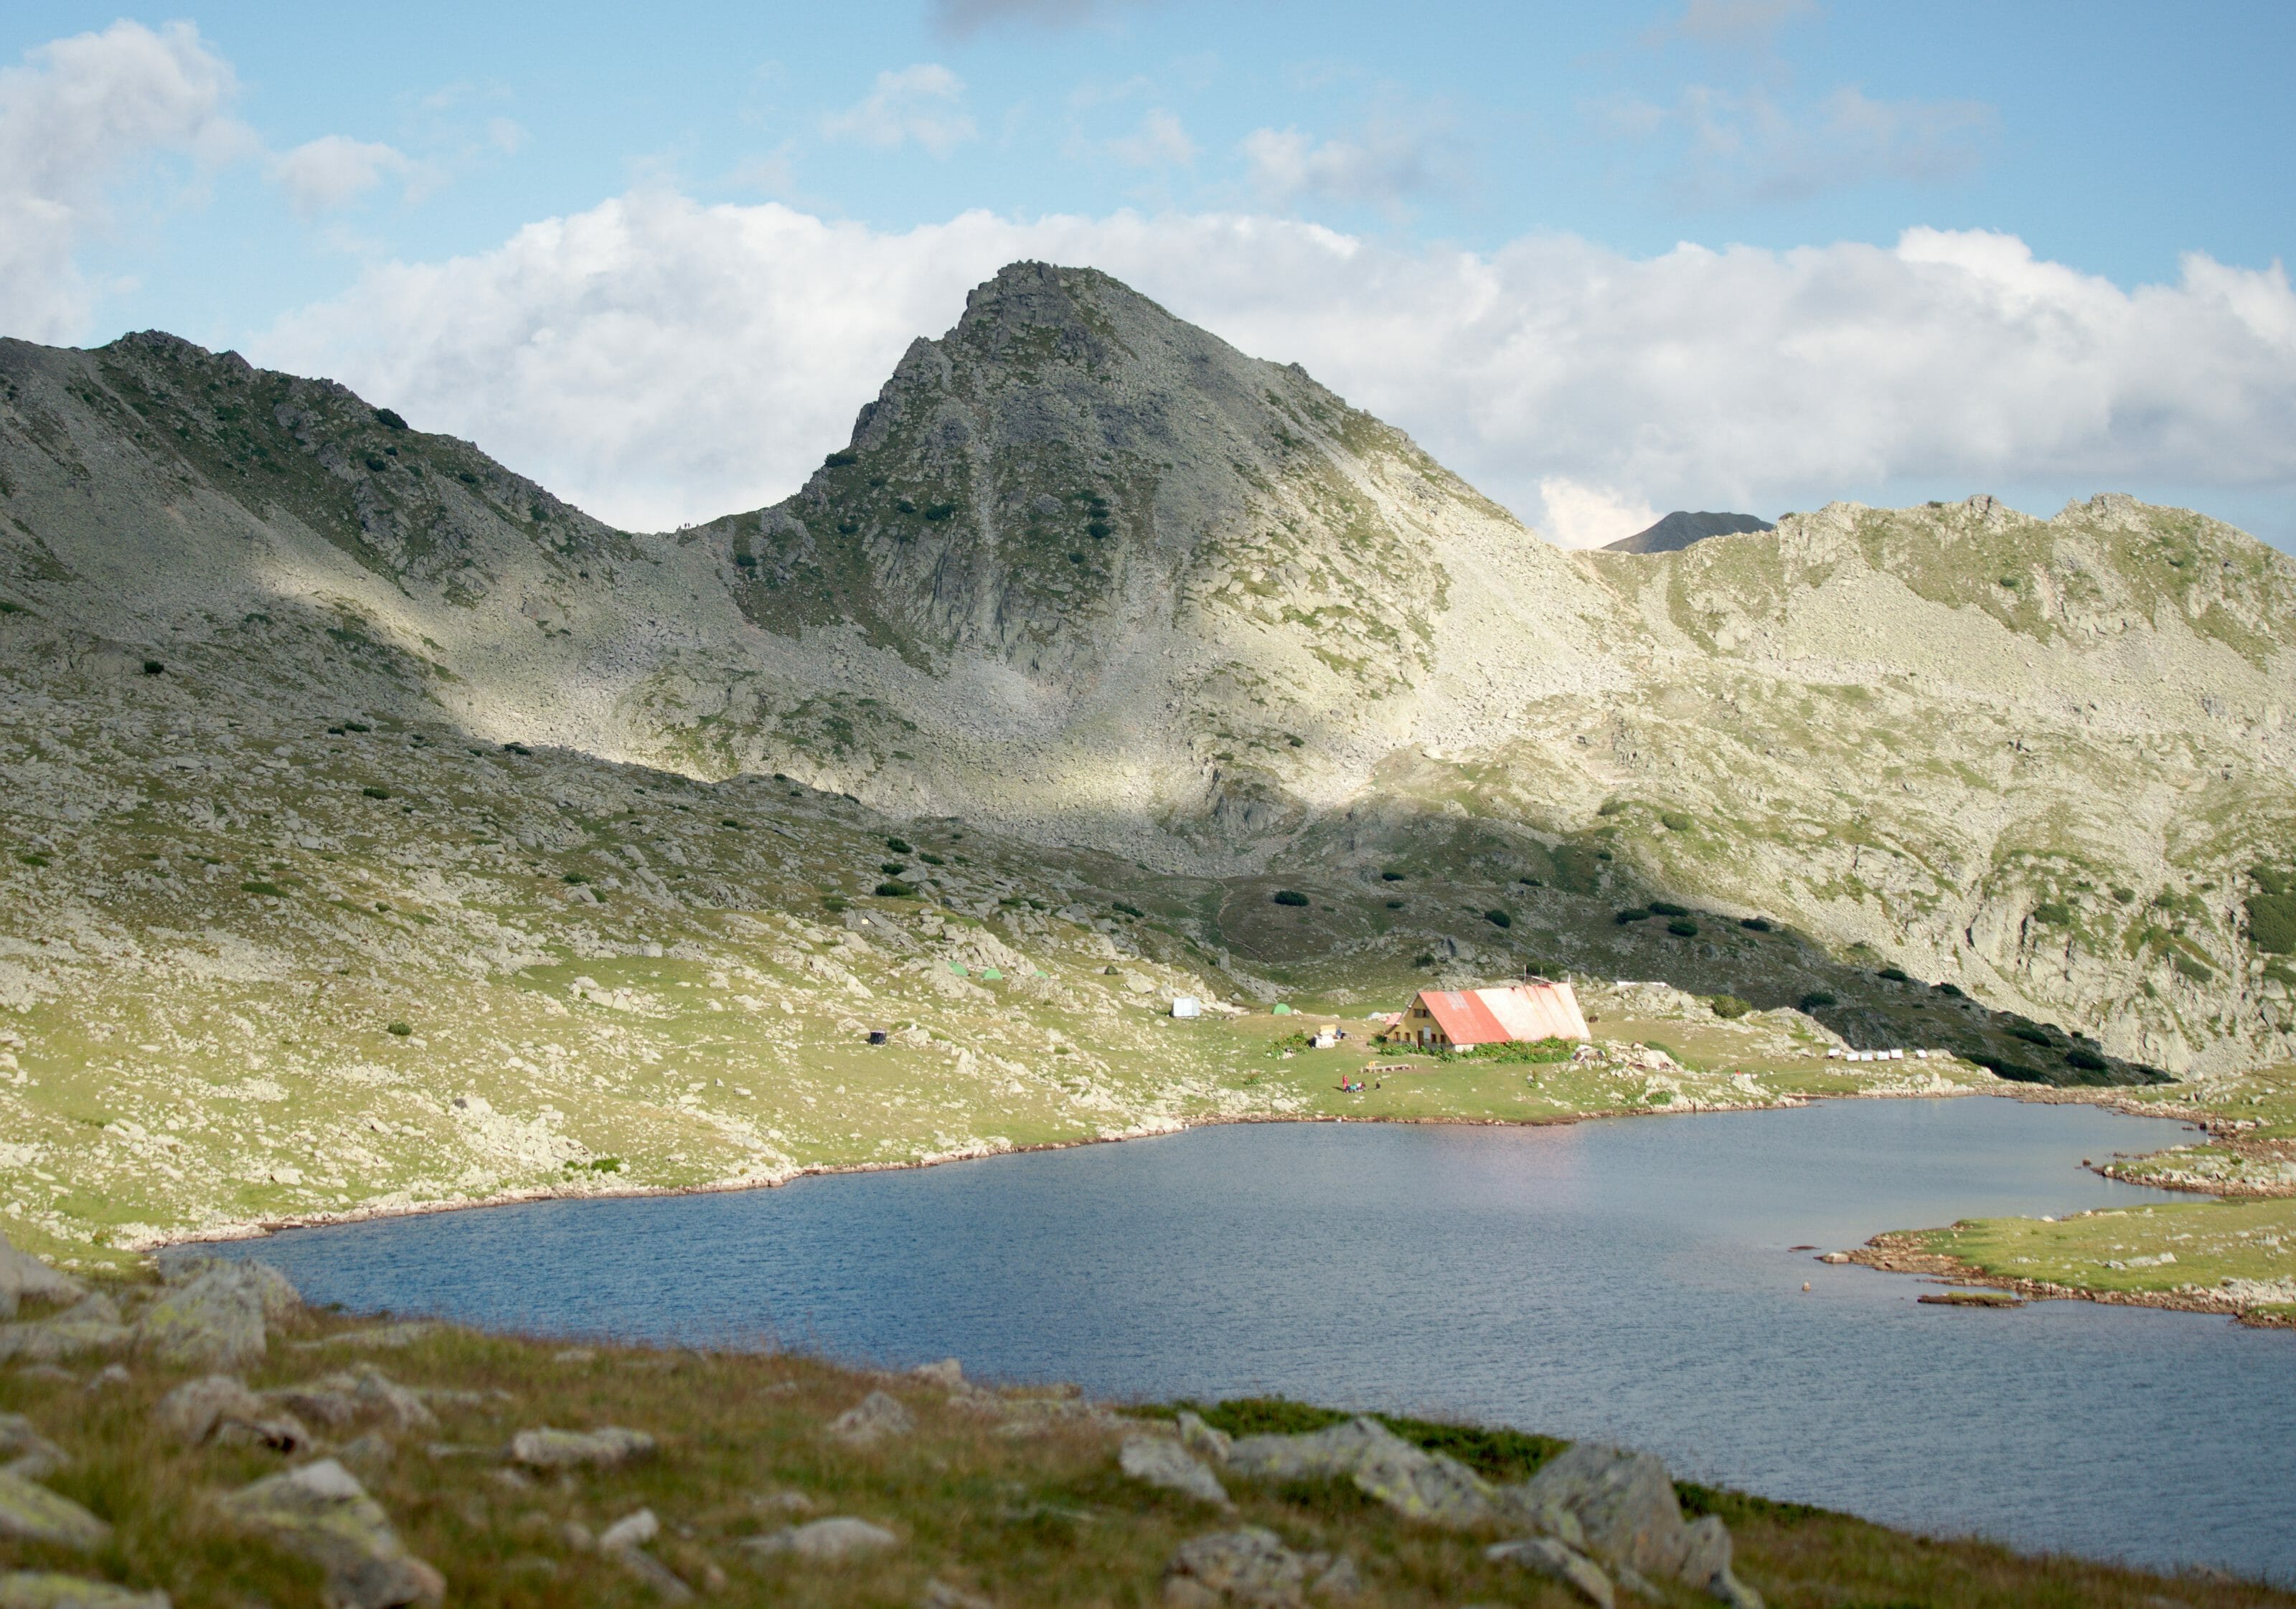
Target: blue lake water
(1626, 1279)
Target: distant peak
(1683, 528)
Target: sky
(1752, 254)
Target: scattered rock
(25, 1453)
(366, 1392)
(321, 1513)
(948, 1372)
(574, 1354)
(23, 1275)
(666, 1583)
(1544, 1555)
(90, 1325)
(1250, 1566)
(873, 1419)
(631, 1530)
(46, 1589)
(1160, 1461)
(193, 1412)
(1337, 1583)
(1835, 1257)
(34, 1514)
(109, 1376)
(1624, 1506)
(940, 1594)
(823, 1541)
(1202, 1439)
(390, 1337)
(606, 1447)
(214, 1322)
(1426, 1486)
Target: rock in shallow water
(321, 1513)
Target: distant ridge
(1680, 529)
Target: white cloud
(1739, 22)
(659, 361)
(919, 102)
(1159, 141)
(1389, 162)
(79, 117)
(334, 171)
(1576, 514)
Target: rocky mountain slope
(1085, 575)
(1677, 530)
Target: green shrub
(892, 888)
(378, 465)
(1499, 919)
(1390, 876)
(1950, 990)
(1755, 924)
(1816, 999)
(1675, 821)
(1635, 915)
(2195, 968)
(2268, 879)
(930, 859)
(1668, 908)
(1610, 807)
(940, 510)
(892, 869)
(1097, 529)
(1728, 1007)
(1121, 909)
(834, 903)
(2124, 895)
(2029, 1034)
(2272, 923)
(375, 793)
(1290, 896)
(152, 667)
(389, 419)
(1896, 975)
(1423, 960)
(8, 607)
(1395, 904)
(736, 826)
(748, 562)
(2056, 913)
(399, 1030)
(1532, 882)
(898, 845)
(1682, 928)
(2016, 1072)
(840, 459)
(2087, 1061)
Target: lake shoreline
(259, 1229)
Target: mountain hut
(1456, 1019)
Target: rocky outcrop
(603, 1448)
(321, 1513)
(31, 1513)
(24, 1277)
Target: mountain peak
(1682, 527)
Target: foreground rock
(1162, 1461)
(216, 1320)
(366, 1393)
(1434, 1487)
(1623, 1508)
(23, 1276)
(823, 1541)
(220, 1408)
(30, 1513)
(47, 1589)
(1557, 1562)
(25, 1453)
(321, 1513)
(1250, 1566)
(876, 1418)
(602, 1449)
(90, 1326)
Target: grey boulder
(1250, 1566)
(1431, 1487)
(823, 1541)
(23, 1275)
(30, 1513)
(1624, 1505)
(90, 1325)
(25, 1453)
(215, 1321)
(603, 1448)
(49, 1589)
(873, 1419)
(1545, 1556)
(219, 1408)
(1162, 1461)
(364, 1393)
(321, 1513)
